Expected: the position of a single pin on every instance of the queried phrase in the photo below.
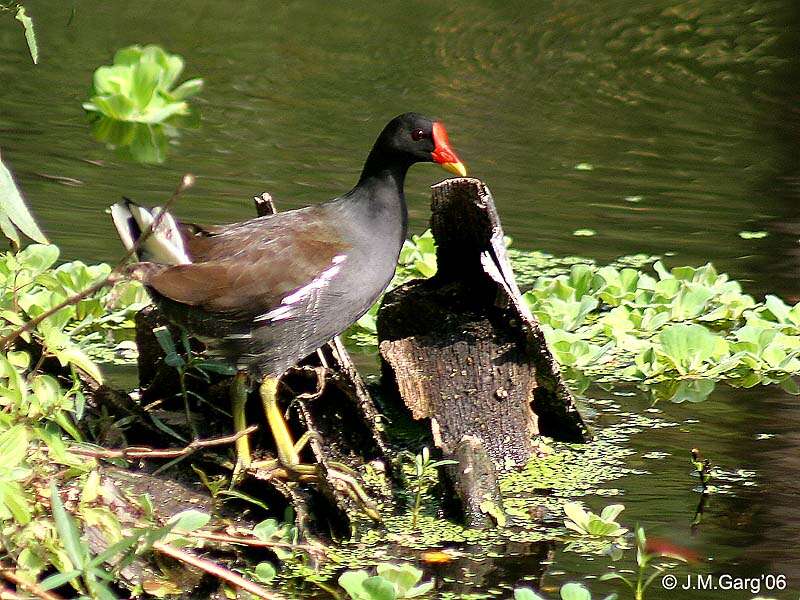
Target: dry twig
(31, 587)
(144, 452)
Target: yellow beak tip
(456, 168)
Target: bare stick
(145, 452)
(30, 587)
(256, 543)
(187, 181)
(216, 570)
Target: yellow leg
(289, 451)
(284, 443)
(238, 400)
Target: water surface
(666, 127)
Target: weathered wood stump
(462, 350)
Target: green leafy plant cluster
(587, 523)
(685, 327)
(138, 109)
(139, 86)
(681, 323)
(31, 284)
(568, 591)
(391, 582)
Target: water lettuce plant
(137, 107)
(588, 523)
(676, 331)
(568, 591)
(139, 86)
(391, 582)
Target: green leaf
(13, 447)
(752, 235)
(575, 591)
(145, 77)
(264, 572)
(379, 588)
(611, 512)
(12, 207)
(116, 106)
(120, 547)
(189, 520)
(59, 579)
(404, 576)
(12, 496)
(353, 583)
(30, 36)
(526, 594)
(186, 89)
(67, 530)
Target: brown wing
(247, 268)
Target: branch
(29, 586)
(216, 570)
(187, 181)
(256, 543)
(145, 452)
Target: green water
(687, 114)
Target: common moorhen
(264, 293)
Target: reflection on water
(141, 142)
(685, 110)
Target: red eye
(417, 134)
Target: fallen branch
(31, 587)
(256, 543)
(145, 452)
(187, 181)
(216, 570)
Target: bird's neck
(380, 191)
(383, 171)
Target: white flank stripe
(282, 312)
(285, 310)
(319, 282)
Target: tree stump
(462, 350)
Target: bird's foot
(342, 478)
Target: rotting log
(463, 351)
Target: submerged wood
(463, 351)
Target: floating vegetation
(139, 86)
(391, 582)
(137, 107)
(587, 523)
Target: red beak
(443, 153)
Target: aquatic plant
(139, 86)
(391, 581)
(27, 25)
(568, 591)
(424, 469)
(137, 110)
(702, 468)
(14, 214)
(644, 559)
(588, 523)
